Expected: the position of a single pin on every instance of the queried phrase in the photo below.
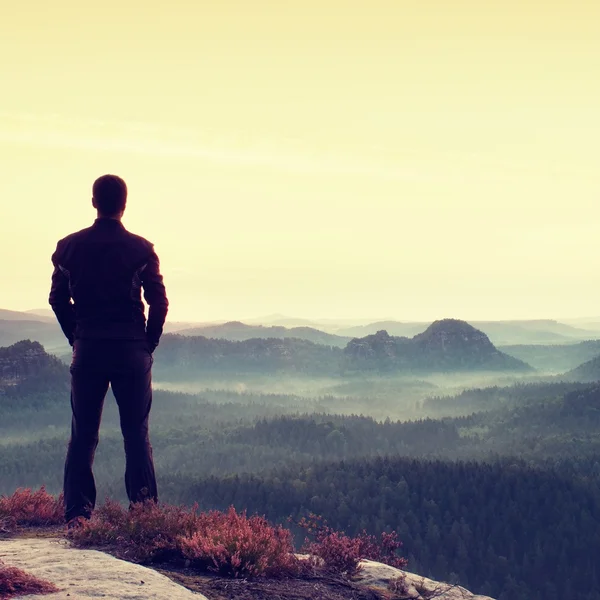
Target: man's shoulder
(82, 233)
(89, 231)
(138, 239)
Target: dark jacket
(102, 269)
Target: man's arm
(60, 300)
(156, 298)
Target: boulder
(376, 575)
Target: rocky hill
(26, 368)
(446, 345)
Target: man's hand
(60, 301)
(156, 298)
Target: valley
(455, 443)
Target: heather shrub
(237, 545)
(383, 550)
(337, 552)
(147, 532)
(14, 582)
(226, 543)
(334, 552)
(28, 508)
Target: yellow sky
(394, 158)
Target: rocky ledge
(89, 574)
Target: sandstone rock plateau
(89, 574)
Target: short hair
(110, 195)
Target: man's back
(103, 268)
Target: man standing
(96, 296)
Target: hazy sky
(385, 158)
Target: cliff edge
(89, 574)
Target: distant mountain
(176, 326)
(587, 372)
(47, 333)
(394, 328)
(541, 331)
(40, 324)
(590, 326)
(15, 315)
(283, 321)
(26, 369)
(44, 313)
(446, 345)
(324, 324)
(589, 323)
(537, 331)
(237, 331)
(540, 325)
(180, 356)
(556, 358)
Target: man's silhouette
(96, 296)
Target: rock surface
(87, 574)
(90, 574)
(377, 575)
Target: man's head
(109, 196)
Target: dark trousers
(126, 365)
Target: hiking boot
(75, 525)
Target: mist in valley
(399, 397)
